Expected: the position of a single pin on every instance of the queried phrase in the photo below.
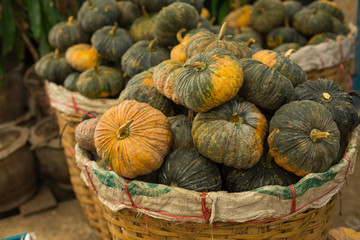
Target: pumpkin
(186, 168)
(142, 56)
(151, 5)
(111, 42)
(247, 33)
(264, 86)
(100, 82)
(204, 23)
(281, 35)
(283, 48)
(291, 8)
(205, 13)
(142, 27)
(267, 15)
(338, 27)
(265, 173)
(312, 21)
(128, 12)
(171, 19)
(67, 33)
(216, 29)
(82, 56)
(206, 40)
(282, 64)
(95, 14)
(197, 4)
(308, 145)
(133, 138)
(321, 37)
(85, 131)
(337, 101)
(142, 89)
(239, 18)
(208, 80)
(53, 67)
(328, 6)
(71, 80)
(164, 79)
(254, 48)
(232, 134)
(181, 130)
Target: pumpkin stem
(223, 30)
(289, 52)
(261, 10)
(70, 20)
(191, 114)
(123, 130)
(57, 53)
(235, 118)
(151, 45)
(316, 135)
(179, 34)
(199, 65)
(212, 20)
(326, 97)
(250, 42)
(90, 3)
(144, 12)
(113, 30)
(287, 22)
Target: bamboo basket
(313, 224)
(89, 203)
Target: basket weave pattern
(89, 203)
(313, 224)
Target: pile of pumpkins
(204, 114)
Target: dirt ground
(66, 221)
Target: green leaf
(44, 46)
(8, 28)
(50, 12)
(214, 8)
(35, 17)
(223, 11)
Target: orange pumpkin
(239, 18)
(82, 56)
(133, 138)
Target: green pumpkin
(142, 56)
(181, 131)
(111, 42)
(186, 168)
(100, 82)
(247, 33)
(204, 23)
(232, 134)
(95, 14)
(283, 48)
(339, 27)
(142, 27)
(71, 80)
(328, 6)
(264, 86)
(53, 67)
(206, 40)
(173, 18)
(197, 4)
(321, 37)
(265, 173)
(267, 15)
(142, 89)
(291, 8)
(308, 145)
(281, 35)
(336, 100)
(312, 21)
(151, 5)
(283, 64)
(208, 80)
(128, 12)
(67, 33)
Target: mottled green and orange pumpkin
(67, 33)
(142, 56)
(95, 14)
(208, 80)
(53, 67)
(128, 12)
(312, 21)
(197, 4)
(82, 56)
(232, 134)
(283, 48)
(151, 5)
(206, 40)
(339, 27)
(264, 86)
(142, 27)
(239, 18)
(281, 35)
(267, 15)
(111, 42)
(328, 6)
(100, 82)
(283, 64)
(186, 168)
(321, 37)
(71, 80)
(133, 138)
(246, 33)
(291, 8)
(308, 144)
(171, 19)
(181, 130)
(142, 89)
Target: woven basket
(313, 224)
(89, 203)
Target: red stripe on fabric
(128, 193)
(346, 158)
(146, 223)
(293, 200)
(72, 151)
(205, 210)
(74, 103)
(88, 174)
